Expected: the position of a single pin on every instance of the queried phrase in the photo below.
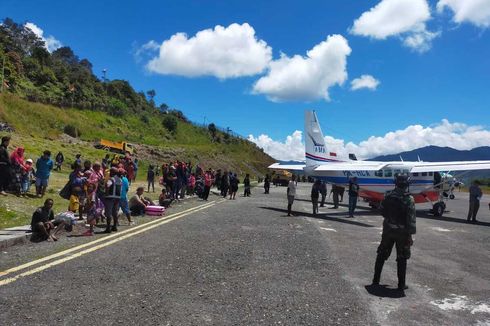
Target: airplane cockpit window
(378, 173)
(388, 173)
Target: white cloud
(365, 81)
(306, 78)
(456, 135)
(223, 52)
(291, 149)
(50, 42)
(401, 18)
(476, 12)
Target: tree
(151, 94)
(170, 123)
(163, 108)
(66, 54)
(212, 129)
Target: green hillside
(38, 127)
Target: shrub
(144, 118)
(71, 130)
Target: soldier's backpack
(395, 212)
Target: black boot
(378, 267)
(289, 210)
(401, 265)
(108, 225)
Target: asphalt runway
(243, 262)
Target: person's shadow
(383, 291)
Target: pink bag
(155, 210)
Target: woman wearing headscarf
(18, 169)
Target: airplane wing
(450, 166)
(289, 167)
(352, 166)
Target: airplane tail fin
(315, 150)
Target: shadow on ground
(321, 217)
(383, 291)
(429, 216)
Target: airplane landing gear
(439, 208)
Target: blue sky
(445, 74)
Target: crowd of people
(18, 174)
(97, 192)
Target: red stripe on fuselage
(420, 198)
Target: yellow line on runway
(114, 235)
(100, 246)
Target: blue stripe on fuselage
(370, 181)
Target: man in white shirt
(291, 193)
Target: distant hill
(436, 154)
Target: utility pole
(104, 71)
(204, 121)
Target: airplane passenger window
(388, 173)
(431, 174)
(397, 171)
(424, 174)
(415, 174)
(405, 171)
(378, 173)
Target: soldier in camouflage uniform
(398, 209)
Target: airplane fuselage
(374, 184)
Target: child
(150, 177)
(93, 209)
(74, 205)
(163, 200)
(27, 176)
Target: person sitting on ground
(43, 222)
(138, 203)
(163, 200)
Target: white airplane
(375, 178)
